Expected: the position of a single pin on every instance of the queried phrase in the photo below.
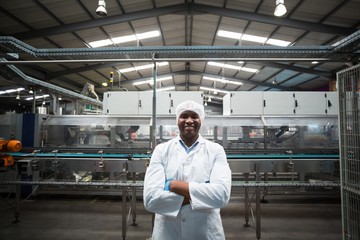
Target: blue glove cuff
(167, 184)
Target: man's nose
(189, 119)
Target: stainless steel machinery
(108, 154)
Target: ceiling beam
(315, 27)
(186, 8)
(100, 22)
(295, 68)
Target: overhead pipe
(53, 87)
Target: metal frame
(349, 124)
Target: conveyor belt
(134, 156)
(141, 183)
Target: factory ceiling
(230, 45)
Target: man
(187, 182)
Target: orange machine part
(10, 145)
(14, 146)
(7, 161)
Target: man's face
(189, 124)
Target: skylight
(253, 38)
(163, 89)
(223, 80)
(235, 67)
(151, 80)
(142, 67)
(123, 39)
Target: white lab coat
(209, 176)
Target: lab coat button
(183, 220)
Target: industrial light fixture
(18, 96)
(280, 8)
(101, 10)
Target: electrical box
(243, 103)
(140, 103)
(178, 97)
(310, 103)
(275, 103)
(121, 103)
(332, 103)
(280, 103)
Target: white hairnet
(190, 106)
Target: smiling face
(189, 124)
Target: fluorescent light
(163, 89)
(37, 97)
(12, 90)
(228, 34)
(314, 62)
(246, 69)
(104, 84)
(222, 80)
(142, 67)
(253, 38)
(146, 35)
(101, 43)
(151, 80)
(278, 42)
(213, 89)
(123, 39)
(235, 67)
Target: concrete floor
(95, 217)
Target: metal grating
(349, 91)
